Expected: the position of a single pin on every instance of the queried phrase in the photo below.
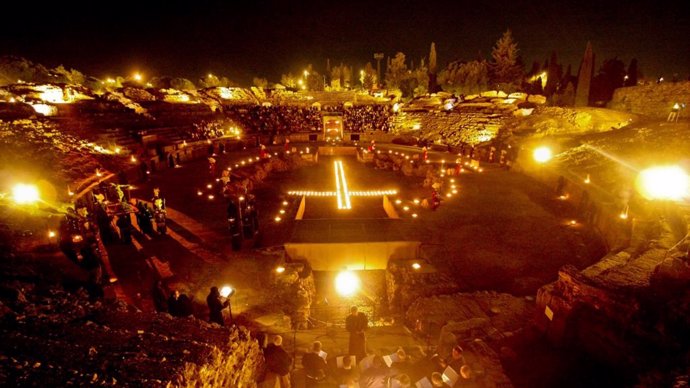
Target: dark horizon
(270, 38)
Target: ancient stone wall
(654, 100)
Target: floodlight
(346, 283)
(542, 154)
(24, 194)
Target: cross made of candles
(342, 191)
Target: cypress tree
(584, 77)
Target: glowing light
(573, 222)
(277, 219)
(542, 154)
(449, 195)
(454, 191)
(226, 291)
(199, 193)
(209, 186)
(396, 107)
(406, 208)
(51, 234)
(414, 215)
(133, 159)
(25, 194)
(624, 213)
(285, 203)
(211, 197)
(416, 266)
(398, 202)
(416, 201)
(449, 105)
(346, 283)
(45, 109)
(118, 150)
(664, 183)
(137, 77)
(280, 269)
(587, 180)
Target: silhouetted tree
(368, 77)
(566, 97)
(553, 76)
(289, 80)
(433, 84)
(632, 73)
(465, 77)
(506, 72)
(259, 82)
(610, 77)
(396, 71)
(584, 77)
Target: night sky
(242, 39)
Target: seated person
(348, 373)
(314, 366)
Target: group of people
(362, 370)
(180, 305)
(278, 119)
(366, 118)
(204, 131)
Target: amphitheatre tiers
(456, 234)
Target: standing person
(356, 323)
(159, 295)
(212, 166)
(314, 366)
(263, 153)
(174, 302)
(278, 363)
(216, 306)
(425, 153)
(287, 145)
(157, 195)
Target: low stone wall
(654, 100)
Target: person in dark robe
(160, 297)
(174, 307)
(356, 323)
(185, 305)
(216, 306)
